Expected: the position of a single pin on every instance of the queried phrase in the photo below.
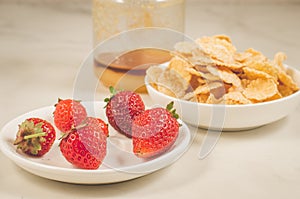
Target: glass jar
(119, 66)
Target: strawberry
(154, 131)
(104, 126)
(85, 145)
(68, 114)
(35, 137)
(121, 109)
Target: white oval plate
(120, 164)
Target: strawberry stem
(113, 92)
(64, 135)
(34, 135)
(172, 110)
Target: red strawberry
(104, 126)
(121, 109)
(85, 147)
(68, 114)
(154, 131)
(35, 136)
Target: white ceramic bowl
(231, 117)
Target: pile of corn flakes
(212, 71)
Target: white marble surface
(42, 48)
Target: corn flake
(266, 67)
(284, 90)
(174, 82)
(213, 100)
(218, 48)
(167, 81)
(226, 75)
(279, 58)
(206, 88)
(202, 98)
(252, 55)
(212, 71)
(260, 89)
(179, 65)
(252, 73)
(190, 96)
(206, 76)
(287, 80)
(236, 98)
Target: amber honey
(127, 70)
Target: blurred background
(44, 42)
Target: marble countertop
(42, 48)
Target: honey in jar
(124, 66)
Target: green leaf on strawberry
(35, 136)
